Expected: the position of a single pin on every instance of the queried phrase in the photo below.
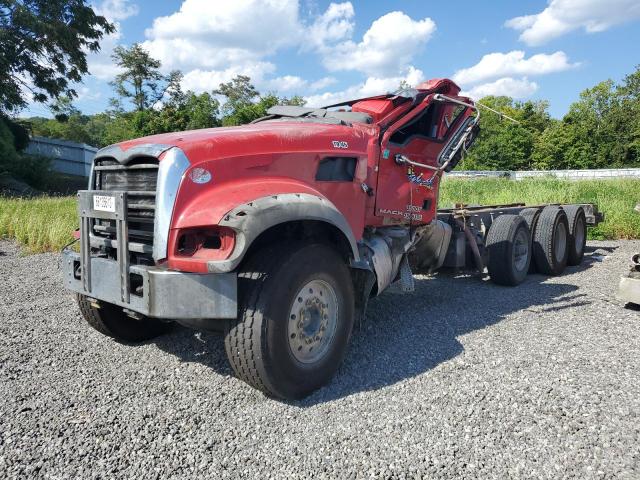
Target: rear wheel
(110, 320)
(509, 246)
(294, 321)
(550, 241)
(530, 216)
(577, 233)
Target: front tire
(294, 321)
(110, 320)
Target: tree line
(146, 102)
(600, 130)
(43, 47)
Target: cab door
(408, 194)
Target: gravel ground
(463, 379)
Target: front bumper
(148, 290)
(164, 294)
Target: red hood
(261, 138)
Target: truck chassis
(279, 232)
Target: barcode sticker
(104, 203)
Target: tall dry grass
(616, 198)
(39, 224)
(46, 223)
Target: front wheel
(294, 321)
(111, 320)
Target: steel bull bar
(158, 292)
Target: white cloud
(116, 9)
(563, 16)
(288, 83)
(386, 48)
(495, 65)
(215, 35)
(510, 87)
(100, 63)
(333, 25)
(200, 80)
(86, 93)
(296, 85)
(211, 43)
(371, 86)
(322, 83)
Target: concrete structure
(67, 157)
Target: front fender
(252, 218)
(206, 205)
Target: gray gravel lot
(463, 379)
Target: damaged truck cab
(278, 232)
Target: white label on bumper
(104, 203)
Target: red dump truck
(279, 232)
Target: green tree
(239, 93)
(43, 46)
(601, 129)
(63, 108)
(72, 129)
(562, 146)
(243, 103)
(502, 144)
(140, 82)
(187, 110)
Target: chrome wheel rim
(560, 241)
(313, 318)
(521, 250)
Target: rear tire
(291, 300)
(110, 320)
(530, 216)
(509, 246)
(577, 233)
(550, 241)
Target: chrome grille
(139, 179)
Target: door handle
(403, 160)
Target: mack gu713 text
(278, 232)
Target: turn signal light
(192, 248)
(207, 243)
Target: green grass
(46, 223)
(40, 224)
(616, 198)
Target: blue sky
(332, 51)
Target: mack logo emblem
(339, 144)
(406, 215)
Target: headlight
(200, 175)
